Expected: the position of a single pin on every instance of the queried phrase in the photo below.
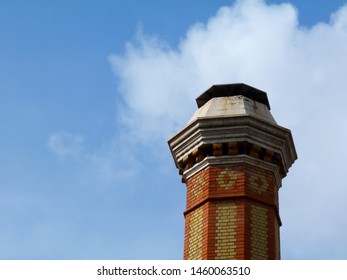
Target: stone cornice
(236, 129)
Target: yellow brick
(225, 231)
(195, 235)
(259, 229)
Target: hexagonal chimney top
(233, 90)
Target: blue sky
(90, 91)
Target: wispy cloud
(302, 69)
(114, 164)
(252, 42)
(65, 144)
(107, 165)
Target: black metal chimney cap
(232, 90)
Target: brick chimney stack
(232, 156)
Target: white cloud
(65, 144)
(114, 164)
(302, 69)
(159, 84)
(108, 165)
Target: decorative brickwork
(226, 178)
(197, 189)
(197, 186)
(221, 199)
(259, 182)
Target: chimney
(232, 156)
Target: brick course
(232, 213)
